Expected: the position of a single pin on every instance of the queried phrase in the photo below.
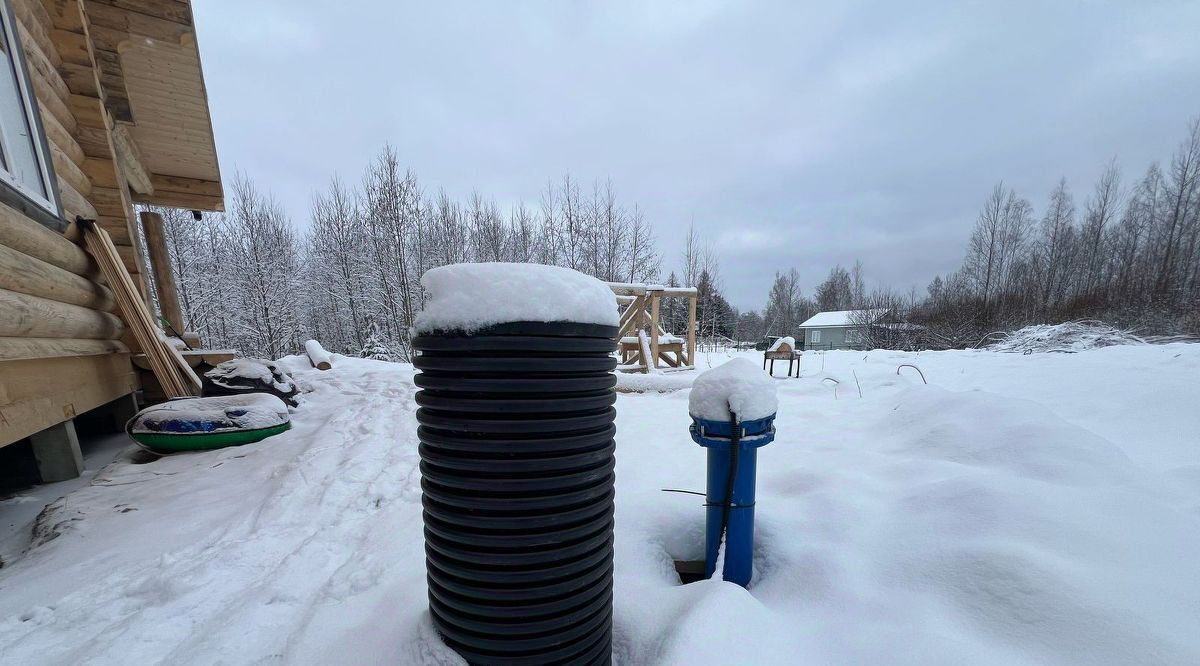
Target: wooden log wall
(49, 289)
(66, 78)
(61, 352)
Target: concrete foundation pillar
(57, 452)
(122, 409)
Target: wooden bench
(670, 351)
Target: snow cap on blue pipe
(737, 386)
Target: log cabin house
(102, 106)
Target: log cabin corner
(103, 107)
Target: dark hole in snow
(142, 457)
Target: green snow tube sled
(203, 424)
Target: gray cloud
(792, 135)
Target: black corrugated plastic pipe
(516, 430)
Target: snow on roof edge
(839, 318)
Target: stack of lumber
(173, 373)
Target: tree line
(1128, 254)
(249, 280)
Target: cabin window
(24, 165)
(816, 336)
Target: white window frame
(816, 336)
(48, 202)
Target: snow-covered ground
(1038, 508)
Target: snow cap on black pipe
(516, 428)
(469, 297)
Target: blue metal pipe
(739, 532)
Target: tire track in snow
(263, 576)
(353, 485)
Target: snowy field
(1018, 509)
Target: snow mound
(789, 341)
(1068, 337)
(918, 525)
(738, 385)
(216, 414)
(658, 382)
(468, 297)
(1006, 513)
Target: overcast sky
(793, 134)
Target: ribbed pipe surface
(516, 432)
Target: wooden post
(691, 332)
(631, 319)
(160, 263)
(655, 299)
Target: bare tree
(1182, 202)
(836, 292)
(261, 245)
(1101, 208)
(1056, 243)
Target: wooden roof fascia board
(209, 188)
(182, 200)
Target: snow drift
(1017, 510)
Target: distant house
(841, 329)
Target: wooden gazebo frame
(643, 343)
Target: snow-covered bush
(376, 347)
(1069, 337)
